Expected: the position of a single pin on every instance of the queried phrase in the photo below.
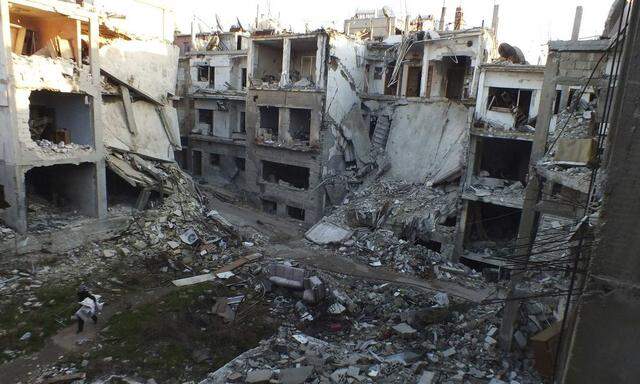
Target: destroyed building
(408, 200)
(78, 91)
(322, 103)
(265, 135)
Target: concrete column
(77, 43)
(99, 176)
(606, 333)
(284, 121)
(424, 77)
(404, 80)
(577, 21)
(442, 16)
(316, 126)
(250, 62)
(94, 55)
(527, 228)
(495, 20)
(286, 61)
(575, 33)
(321, 54)
(8, 144)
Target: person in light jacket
(90, 307)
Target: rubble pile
(6, 233)
(370, 332)
(503, 190)
(42, 216)
(574, 125)
(389, 217)
(61, 147)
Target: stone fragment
(258, 376)
(426, 377)
(404, 329)
(295, 375)
(521, 339)
(449, 352)
(234, 377)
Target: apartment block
(50, 100)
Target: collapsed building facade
(322, 106)
(79, 93)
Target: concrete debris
(62, 147)
(189, 236)
(324, 233)
(404, 329)
(259, 376)
(426, 378)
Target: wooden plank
(65, 48)
(128, 110)
(212, 276)
(21, 33)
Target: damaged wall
(504, 78)
(132, 17)
(345, 82)
(151, 67)
(426, 140)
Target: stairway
(381, 132)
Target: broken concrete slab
(324, 233)
(259, 376)
(404, 329)
(194, 280)
(426, 378)
(295, 375)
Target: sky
(528, 24)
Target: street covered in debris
(406, 200)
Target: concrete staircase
(381, 132)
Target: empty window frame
(295, 212)
(207, 73)
(214, 159)
(300, 124)
(505, 159)
(377, 73)
(390, 89)
(456, 69)
(291, 175)
(242, 128)
(243, 79)
(269, 206)
(414, 79)
(240, 163)
(203, 73)
(196, 159)
(61, 117)
(490, 222)
(269, 121)
(506, 99)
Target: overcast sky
(528, 24)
